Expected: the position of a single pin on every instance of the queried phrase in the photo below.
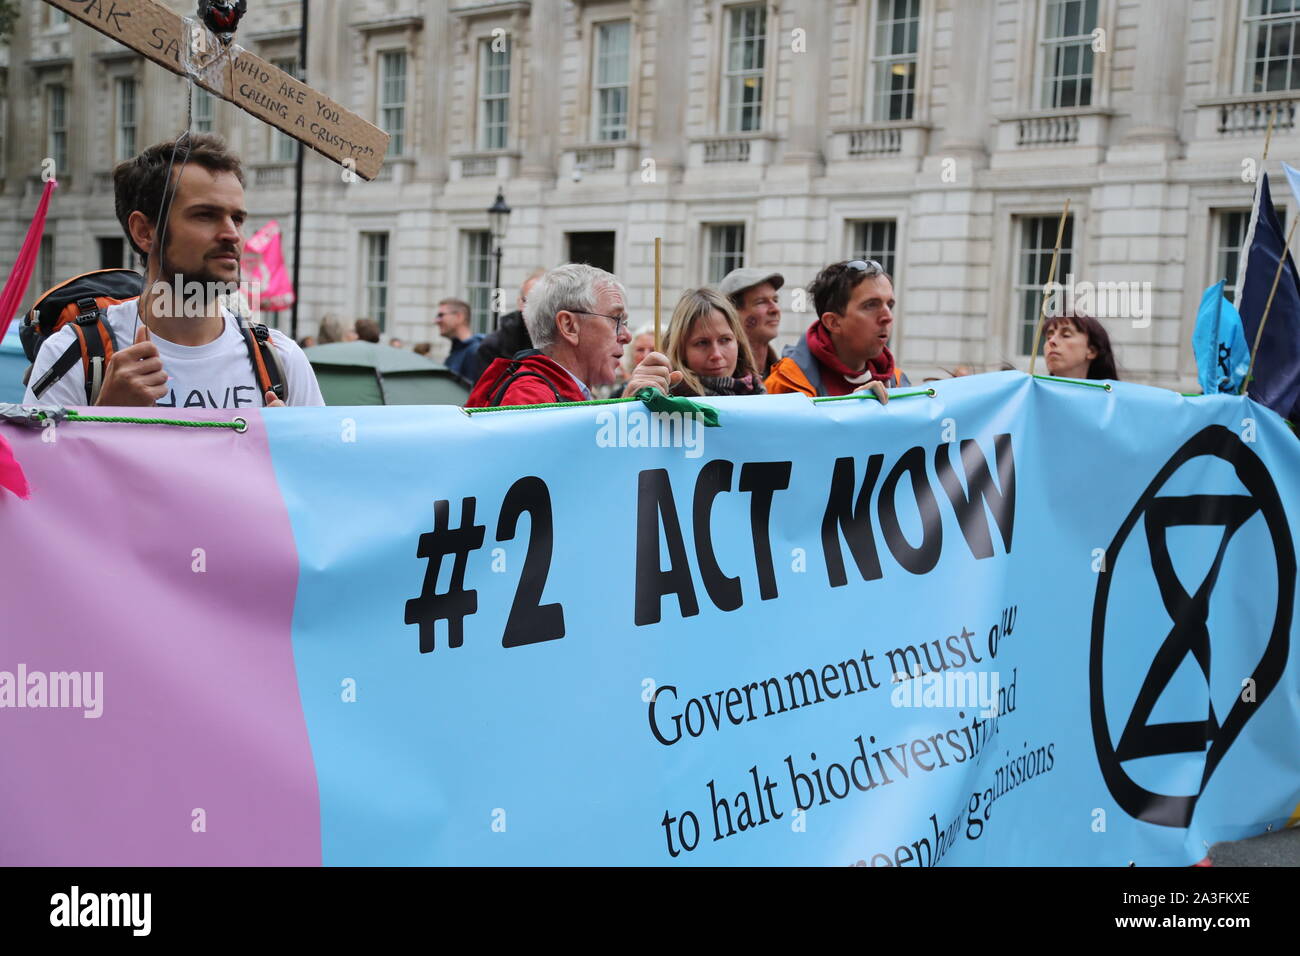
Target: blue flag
(1275, 381)
(1219, 342)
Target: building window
(45, 266)
(56, 17)
(1272, 45)
(56, 113)
(204, 110)
(726, 244)
(478, 278)
(392, 99)
(1230, 237)
(376, 252)
(876, 239)
(284, 148)
(1068, 27)
(1231, 232)
(494, 93)
(894, 59)
(126, 122)
(609, 82)
(1037, 236)
(742, 80)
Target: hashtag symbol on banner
(453, 606)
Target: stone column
(668, 142)
(807, 77)
(966, 126)
(1155, 101)
(544, 39)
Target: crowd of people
(569, 339)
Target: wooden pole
(1259, 332)
(659, 243)
(1051, 277)
(1268, 133)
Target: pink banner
(181, 740)
(264, 265)
(16, 285)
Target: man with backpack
(175, 343)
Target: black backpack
(81, 301)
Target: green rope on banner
(867, 393)
(654, 400)
(1075, 381)
(657, 401)
(239, 424)
(516, 408)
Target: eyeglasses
(870, 266)
(620, 322)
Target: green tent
(366, 373)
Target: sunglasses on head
(870, 266)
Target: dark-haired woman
(1076, 346)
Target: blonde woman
(708, 346)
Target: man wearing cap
(753, 293)
(846, 348)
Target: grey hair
(570, 286)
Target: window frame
(480, 318)
(1244, 72)
(203, 96)
(707, 246)
(1041, 45)
(873, 59)
(124, 146)
(594, 124)
(369, 285)
(1063, 268)
(482, 98)
(60, 152)
(857, 250)
(397, 142)
(764, 74)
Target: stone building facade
(940, 136)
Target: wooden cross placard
(187, 47)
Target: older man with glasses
(577, 319)
(846, 349)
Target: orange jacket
(799, 371)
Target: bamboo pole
(1051, 277)
(658, 286)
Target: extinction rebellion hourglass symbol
(1189, 632)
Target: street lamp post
(498, 213)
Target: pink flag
(16, 285)
(264, 266)
(11, 473)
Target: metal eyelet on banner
(243, 425)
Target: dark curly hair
(834, 285)
(142, 184)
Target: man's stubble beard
(205, 282)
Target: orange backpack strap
(93, 347)
(266, 364)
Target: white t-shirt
(216, 375)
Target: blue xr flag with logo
(1219, 343)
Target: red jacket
(529, 378)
